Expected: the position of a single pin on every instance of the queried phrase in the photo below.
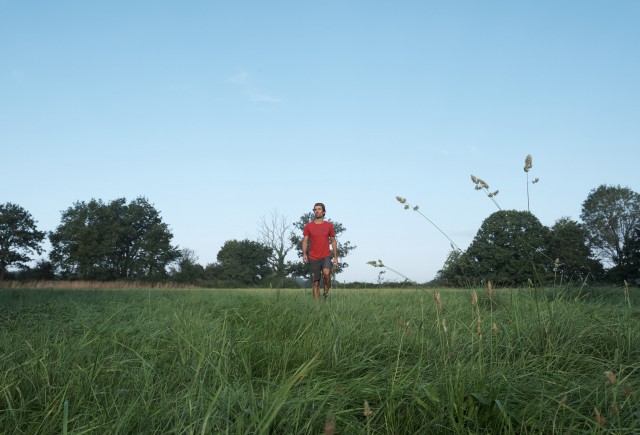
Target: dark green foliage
(241, 263)
(627, 266)
(508, 250)
(43, 270)
(19, 237)
(187, 269)
(458, 271)
(611, 216)
(300, 269)
(567, 244)
(98, 241)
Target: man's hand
(335, 262)
(304, 258)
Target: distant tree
(567, 246)
(43, 270)
(241, 263)
(19, 237)
(509, 249)
(300, 269)
(186, 268)
(627, 267)
(458, 271)
(611, 217)
(273, 232)
(112, 241)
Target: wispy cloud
(243, 81)
(240, 78)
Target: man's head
(319, 210)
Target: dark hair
(324, 210)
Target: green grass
(268, 361)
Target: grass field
(365, 361)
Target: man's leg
(326, 273)
(315, 270)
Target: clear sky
(221, 112)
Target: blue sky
(222, 112)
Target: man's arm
(305, 241)
(334, 245)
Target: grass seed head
(474, 298)
(528, 163)
(599, 418)
(438, 301)
(330, 424)
(563, 401)
(367, 410)
(479, 182)
(490, 288)
(611, 377)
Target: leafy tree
(457, 271)
(273, 232)
(627, 267)
(572, 257)
(509, 249)
(42, 270)
(19, 237)
(344, 247)
(241, 263)
(611, 217)
(112, 241)
(187, 269)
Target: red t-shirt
(319, 238)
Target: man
(319, 233)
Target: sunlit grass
(366, 361)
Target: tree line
(117, 240)
(512, 248)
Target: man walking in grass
(319, 233)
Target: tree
(43, 270)
(112, 241)
(344, 247)
(627, 267)
(611, 217)
(457, 271)
(509, 248)
(241, 263)
(572, 257)
(19, 237)
(186, 267)
(273, 233)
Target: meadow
(374, 361)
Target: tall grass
(261, 361)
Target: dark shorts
(316, 266)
